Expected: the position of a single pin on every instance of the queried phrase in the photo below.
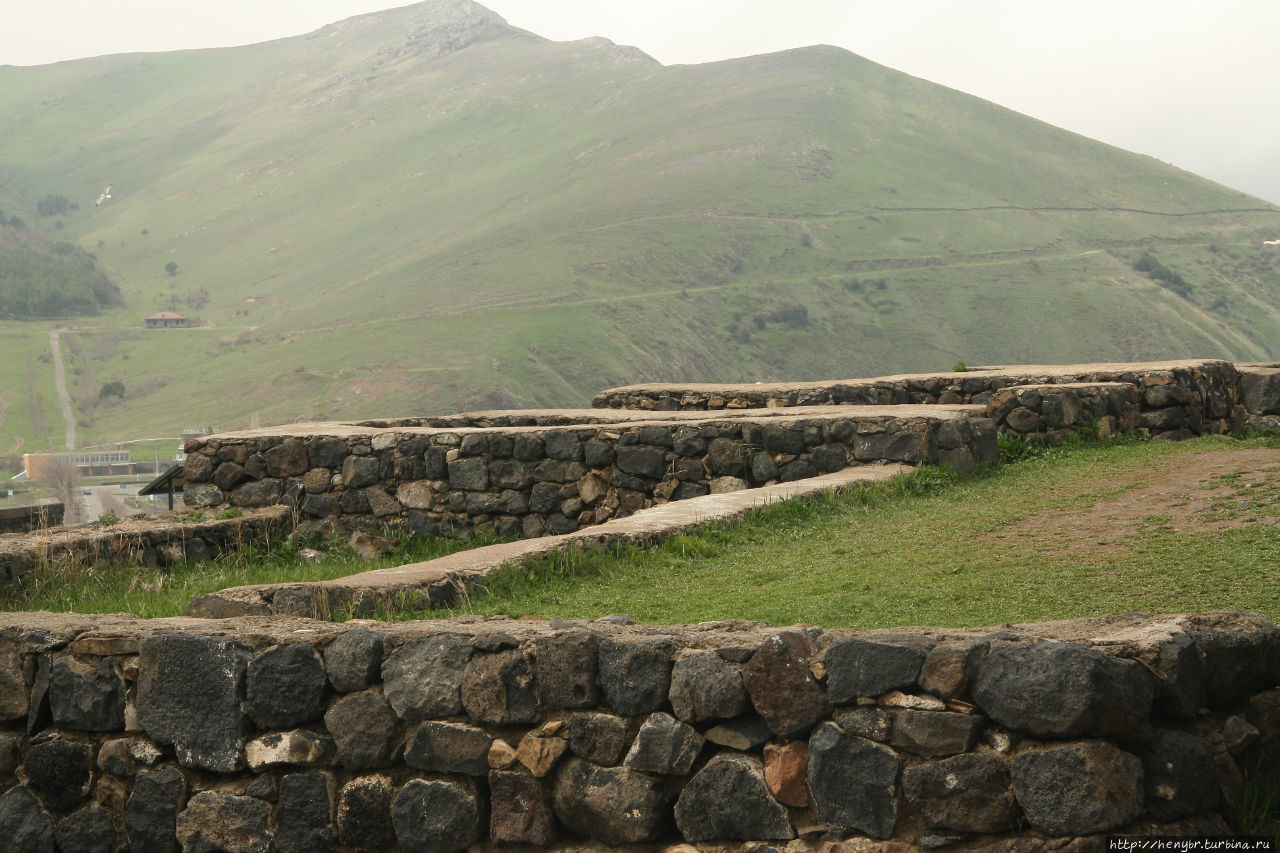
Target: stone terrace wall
(314, 736)
(1195, 396)
(24, 519)
(141, 543)
(531, 480)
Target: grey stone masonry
(556, 477)
(290, 734)
(1169, 396)
(525, 474)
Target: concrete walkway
(440, 581)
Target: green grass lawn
(925, 550)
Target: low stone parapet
(1060, 410)
(446, 581)
(297, 735)
(143, 542)
(535, 480)
(1195, 396)
(24, 519)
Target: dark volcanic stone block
(213, 822)
(354, 660)
(705, 686)
(520, 809)
(190, 696)
(1182, 693)
(611, 804)
(424, 678)
(24, 824)
(1058, 690)
(287, 686)
(664, 745)
(359, 471)
(60, 772)
(1239, 663)
(13, 686)
(151, 812)
(950, 667)
(635, 675)
(327, 453)
(86, 698)
(599, 738)
(435, 816)
(641, 461)
(871, 667)
(854, 781)
(365, 729)
(498, 689)
(935, 733)
(729, 800)
(1078, 789)
(304, 814)
(364, 814)
(471, 475)
(450, 748)
(86, 830)
(567, 670)
(965, 793)
(1180, 775)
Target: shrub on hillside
(1150, 266)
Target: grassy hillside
(425, 210)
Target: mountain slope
(429, 210)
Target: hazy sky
(1195, 83)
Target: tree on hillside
(62, 478)
(171, 268)
(55, 205)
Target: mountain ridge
(427, 209)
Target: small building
(167, 320)
(90, 464)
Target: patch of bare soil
(1185, 493)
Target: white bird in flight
(106, 194)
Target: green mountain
(426, 209)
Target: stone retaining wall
(533, 480)
(304, 736)
(140, 543)
(24, 519)
(1196, 396)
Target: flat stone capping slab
(1186, 397)
(537, 420)
(439, 581)
(896, 388)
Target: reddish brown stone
(783, 689)
(784, 772)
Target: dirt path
(16, 440)
(1184, 493)
(60, 384)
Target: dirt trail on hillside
(1184, 493)
(60, 385)
(16, 441)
